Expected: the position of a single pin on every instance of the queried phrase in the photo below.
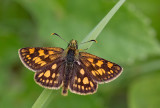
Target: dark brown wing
(37, 58)
(81, 81)
(101, 70)
(51, 76)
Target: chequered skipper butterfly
(80, 72)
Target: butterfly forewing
(100, 69)
(39, 57)
(81, 82)
(52, 75)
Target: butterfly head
(73, 45)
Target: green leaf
(127, 38)
(144, 92)
(150, 12)
(97, 30)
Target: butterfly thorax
(71, 54)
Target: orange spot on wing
(47, 80)
(41, 52)
(91, 84)
(50, 81)
(110, 64)
(37, 60)
(53, 57)
(23, 50)
(28, 56)
(89, 88)
(100, 71)
(93, 64)
(40, 75)
(45, 56)
(82, 87)
(58, 75)
(78, 86)
(40, 62)
(47, 73)
(50, 52)
(75, 78)
(86, 63)
(56, 82)
(53, 75)
(79, 80)
(43, 63)
(85, 80)
(31, 50)
(82, 71)
(117, 67)
(90, 59)
(93, 72)
(111, 71)
(99, 63)
(54, 66)
(103, 71)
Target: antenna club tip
(94, 40)
(54, 34)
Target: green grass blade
(42, 98)
(92, 35)
(97, 30)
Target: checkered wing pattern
(99, 69)
(39, 57)
(81, 81)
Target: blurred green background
(130, 39)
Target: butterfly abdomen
(68, 73)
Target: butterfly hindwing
(81, 82)
(100, 69)
(51, 76)
(39, 57)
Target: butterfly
(69, 68)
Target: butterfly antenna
(89, 41)
(59, 36)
